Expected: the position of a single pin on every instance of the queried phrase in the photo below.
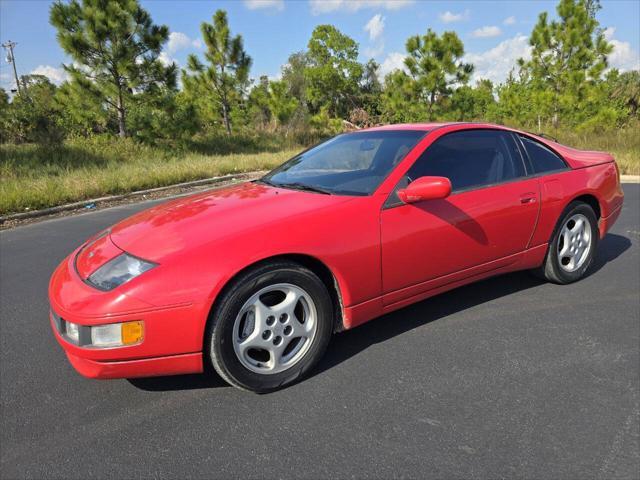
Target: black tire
(551, 269)
(219, 338)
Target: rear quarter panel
(558, 190)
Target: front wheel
(573, 245)
(270, 327)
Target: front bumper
(173, 334)
(146, 367)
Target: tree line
(119, 85)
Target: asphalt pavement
(506, 378)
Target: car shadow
(348, 344)
(609, 248)
(196, 381)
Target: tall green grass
(40, 176)
(623, 144)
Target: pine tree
(226, 77)
(115, 48)
(568, 56)
(435, 64)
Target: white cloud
(393, 61)
(487, 31)
(56, 75)
(177, 41)
(450, 17)
(623, 57)
(496, 63)
(375, 26)
(6, 81)
(509, 20)
(258, 4)
(375, 51)
(609, 32)
(493, 64)
(325, 6)
(180, 41)
(166, 59)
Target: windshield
(348, 164)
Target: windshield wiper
(266, 182)
(303, 186)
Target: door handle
(528, 198)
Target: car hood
(192, 221)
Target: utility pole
(12, 60)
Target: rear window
(542, 159)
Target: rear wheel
(270, 327)
(573, 245)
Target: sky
(495, 33)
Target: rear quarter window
(542, 158)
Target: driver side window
(470, 159)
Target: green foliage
(115, 47)
(333, 73)
(79, 113)
(282, 104)
(469, 103)
(162, 117)
(568, 58)
(260, 112)
(371, 89)
(4, 100)
(226, 76)
(399, 102)
(435, 65)
(624, 90)
(293, 74)
(33, 115)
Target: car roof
(408, 126)
(432, 125)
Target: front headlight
(118, 271)
(101, 336)
(117, 334)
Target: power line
(8, 46)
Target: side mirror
(425, 188)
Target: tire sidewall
(221, 348)
(572, 209)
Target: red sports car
(254, 279)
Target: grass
(39, 176)
(623, 144)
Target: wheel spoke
(262, 312)
(300, 329)
(252, 341)
(578, 227)
(289, 303)
(275, 354)
(566, 245)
